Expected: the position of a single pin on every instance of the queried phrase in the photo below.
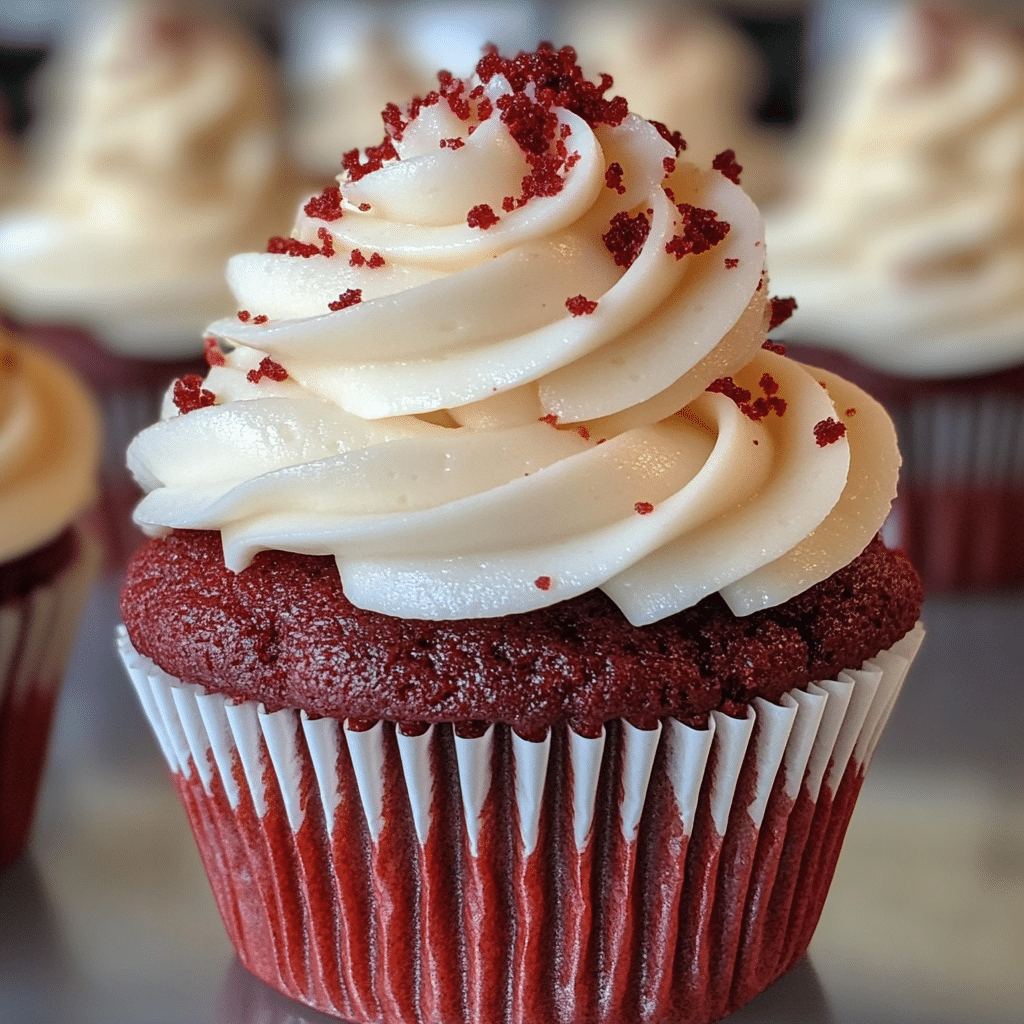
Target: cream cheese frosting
(164, 156)
(487, 374)
(49, 448)
(905, 243)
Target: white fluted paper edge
(813, 735)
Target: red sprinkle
(626, 236)
(613, 178)
(214, 356)
(326, 206)
(347, 298)
(189, 394)
(542, 582)
(268, 368)
(702, 230)
(828, 431)
(782, 310)
(726, 163)
(580, 305)
(731, 264)
(482, 216)
(644, 508)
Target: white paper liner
(36, 635)
(270, 770)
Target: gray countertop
(108, 919)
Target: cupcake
(49, 451)
(905, 250)
(514, 622)
(159, 155)
(686, 69)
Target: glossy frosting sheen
(49, 449)
(905, 246)
(164, 159)
(466, 446)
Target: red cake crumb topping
(268, 368)
(726, 163)
(482, 216)
(244, 315)
(214, 356)
(828, 432)
(452, 144)
(731, 264)
(189, 394)
(643, 508)
(613, 178)
(293, 247)
(851, 412)
(769, 385)
(283, 632)
(542, 582)
(728, 387)
(551, 418)
(261, 319)
(775, 347)
(580, 305)
(357, 259)
(753, 408)
(669, 165)
(375, 156)
(702, 230)
(508, 204)
(674, 139)
(782, 310)
(365, 207)
(626, 236)
(583, 432)
(326, 206)
(350, 297)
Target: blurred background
(109, 919)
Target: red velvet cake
(514, 622)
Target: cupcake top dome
(904, 242)
(160, 154)
(515, 353)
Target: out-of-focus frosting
(905, 244)
(49, 448)
(163, 157)
(467, 441)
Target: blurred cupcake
(159, 154)
(515, 624)
(49, 453)
(686, 69)
(905, 250)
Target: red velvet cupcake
(514, 623)
(49, 449)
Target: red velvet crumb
(613, 178)
(669, 165)
(701, 231)
(851, 412)
(626, 236)
(771, 346)
(268, 368)
(828, 431)
(214, 356)
(542, 582)
(731, 264)
(189, 394)
(782, 310)
(357, 259)
(674, 139)
(580, 305)
(726, 163)
(508, 204)
(551, 418)
(261, 319)
(244, 315)
(375, 158)
(482, 216)
(583, 432)
(769, 385)
(452, 144)
(375, 261)
(753, 408)
(347, 298)
(365, 207)
(644, 508)
(326, 206)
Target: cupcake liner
(37, 630)
(663, 875)
(959, 512)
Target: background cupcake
(49, 450)
(158, 154)
(904, 247)
(517, 632)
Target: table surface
(108, 918)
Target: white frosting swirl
(164, 157)
(415, 436)
(905, 245)
(49, 449)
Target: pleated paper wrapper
(37, 630)
(959, 513)
(665, 875)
